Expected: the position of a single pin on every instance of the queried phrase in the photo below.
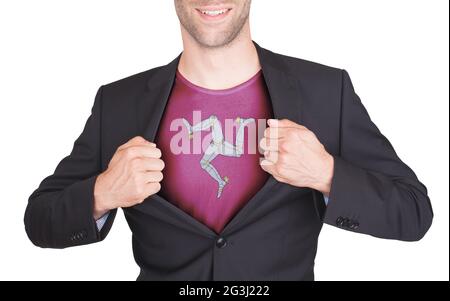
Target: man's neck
(219, 68)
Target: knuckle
(282, 160)
(311, 135)
(138, 193)
(273, 144)
(278, 169)
(136, 180)
(159, 176)
(281, 179)
(137, 199)
(161, 164)
(154, 187)
(304, 133)
(118, 150)
(129, 153)
(262, 143)
(135, 163)
(292, 134)
(138, 139)
(277, 145)
(283, 147)
(285, 121)
(274, 157)
(158, 153)
(282, 172)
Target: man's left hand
(293, 155)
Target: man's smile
(213, 13)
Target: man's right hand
(133, 174)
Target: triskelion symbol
(218, 145)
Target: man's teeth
(214, 12)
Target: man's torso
(209, 143)
(273, 234)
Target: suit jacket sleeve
(60, 211)
(373, 191)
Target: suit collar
(282, 87)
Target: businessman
(174, 147)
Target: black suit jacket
(274, 237)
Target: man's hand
(294, 155)
(133, 174)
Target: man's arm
(60, 211)
(372, 190)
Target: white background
(55, 54)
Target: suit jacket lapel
(151, 105)
(283, 88)
(150, 110)
(285, 99)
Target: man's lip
(213, 8)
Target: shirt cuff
(101, 221)
(326, 199)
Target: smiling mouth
(213, 13)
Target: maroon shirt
(209, 143)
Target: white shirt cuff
(326, 199)
(101, 221)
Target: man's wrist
(99, 213)
(323, 184)
(99, 208)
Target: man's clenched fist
(133, 174)
(294, 155)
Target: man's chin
(216, 41)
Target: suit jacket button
(340, 221)
(221, 242)
(346, 222)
